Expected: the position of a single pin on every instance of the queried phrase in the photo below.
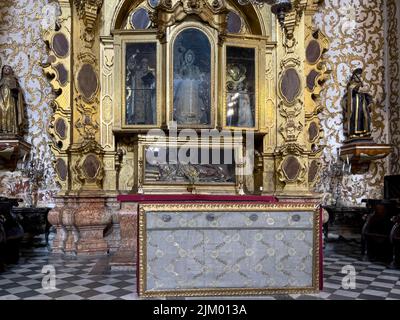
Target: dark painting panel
(141, 84)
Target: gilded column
(300, 75)
(81, 214)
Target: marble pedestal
(80, 223)
(125, 257)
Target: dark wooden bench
(381, 232)
(11, 233)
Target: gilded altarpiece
(127, 68)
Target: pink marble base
(125, 257)
(80, 222)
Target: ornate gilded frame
(212, 35)
(258, 44)
(121, 39)
(218, 207)
(207, 188)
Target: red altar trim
(194, 197)
(321, 252)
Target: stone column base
(91, 240)
(125, 258)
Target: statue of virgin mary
(189, 104)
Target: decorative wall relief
(59, 71)
(291, 155)
(394, 84)
(88, 11)
(355, 29)
(22, 47)
(316, 73)
(107, 94)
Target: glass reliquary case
(180, 165)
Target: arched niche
(252, 17)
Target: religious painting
(196, 166)
(141, 84)
(192, 78)
(240, 87)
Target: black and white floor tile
(89, 278)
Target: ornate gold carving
(394, 74)
(88, 168)
(312, 96)
(88, 11)
(107, 94)
(60, 60)
(285, 153)
(316, 46)
(86, 106)
(87, 125)
(293, 18)
(166, 14)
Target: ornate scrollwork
(89, 168)
(292, 169)
(87, 125)
(394, 94)
(88, 11)
(166, 15)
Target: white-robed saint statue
(189, 105)
(239, 111)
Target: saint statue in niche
(239, 113)
(357, 109)
(141, 93)
(11, 104)
(192, 79)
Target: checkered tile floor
(88, 278)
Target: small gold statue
(11, 104)
(357, 109)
